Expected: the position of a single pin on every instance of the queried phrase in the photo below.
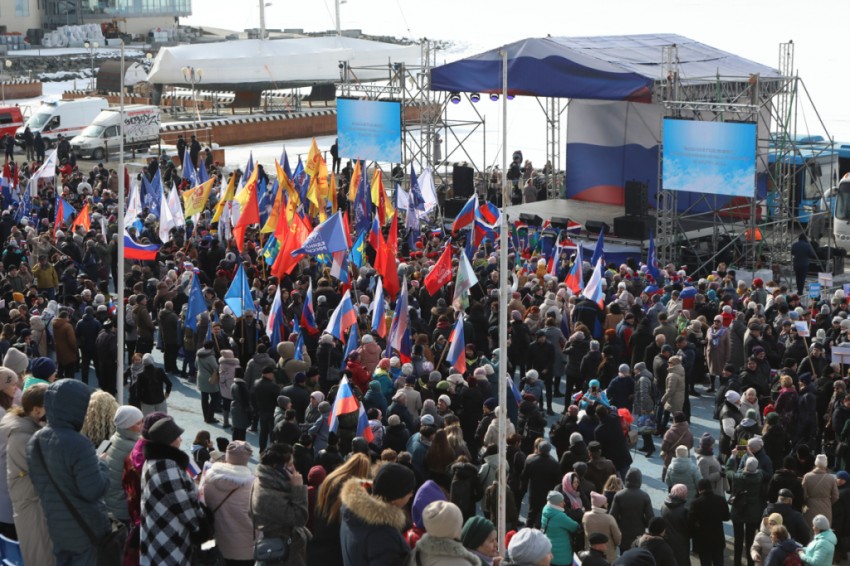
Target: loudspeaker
(531, 219)
(462, 181)
(452, 207)
(559, 222)
(596, 226)
(637, 203)
(633, 227)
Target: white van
(66, 117)
(141, 130)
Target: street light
(91, 46)
(193, 76)
(8, 64)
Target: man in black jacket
(705, 522)
(264, 399)
(801, 253)
(541, 472)
(792, 519)
(541, 356)
(609, 433)
(632, 509)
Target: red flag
(441, 273)
(389, 265)
(298, 231)
(250, 214)
(83, 219)
(379, 245)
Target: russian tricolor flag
(308, 317)
(574, 280)
(363, 428)
(143, 252)
(456, 356)
(342, 318)
(275, 321)
(593, 289)
(466, 215)
(344, 403)
(379, 325)
(400, 328)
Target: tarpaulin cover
(596, 68)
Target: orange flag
(249, 215)
(389, 265)
(296, 233)
(83, 219)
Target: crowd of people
(419, 483)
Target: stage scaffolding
(429, 137)
(758, 234)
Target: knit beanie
(7, 377)
(165, 431)
(679, 491)
(475, 531)
(755, 443)
(42, 368)
(324, 407)
(751, 465)
(238, 453)
(393, 481)
(598, 500)
(706, 444)
(16, 361)
(681, 451)
(776, 518)
(575, 438)
(529, 546)
(820, 460)
(127, 416)
(443, 519)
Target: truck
(10, 120)
(67, 118)
(141, 130)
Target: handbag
(268, 548)
(333, 373)
(110, 548)
(214, 378)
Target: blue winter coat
(72, 461)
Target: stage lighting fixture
(474, 97)
(455, 97)
(494, 96)
(510, 97)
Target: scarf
(136, 369)
(573, 497)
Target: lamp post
(8, 64)
(193, 76)
(119, 285)
(91, 46)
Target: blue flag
(599, 251)
(358, 249)
(152, 193)
(197, 304)
(299, 344)
(203, 177)
(326, 238)
(416, 198)
(238, 296)
(351, 345)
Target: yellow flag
(314, 157)
(355, 181)
(195, 199)
(228, 196)
(245, 193)
(277, 207)
(286, 183)
(379, 198)
(332, 194)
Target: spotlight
(494, 96)
(510, 97)
(474, 97)
(455, 98)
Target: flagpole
(503, 312)
(119, 285)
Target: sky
(750, 28)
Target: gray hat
(164, 431)
(821, 523)
(529, 546)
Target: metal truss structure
(753, 235)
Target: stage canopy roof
(600, 68)
(254, 64)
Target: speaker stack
(637, 222)
(463, 181)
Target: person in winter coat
(746, 502)
(763, 541)
(278, 503)
(706, 516)
(396, 434)
(683, 470)
(530, 547)
(370, 353)
(821, 550)
(128, 422)
(673, 399)
(540, 473)
(480, 536)
(226, 491)
(820, 490)
(783, 547)
(466, 490)
(321, 429)
(718, 348)
(675, 515)
(609, 433)
(227, 365)
(656, 544)
(65, 340)
(632, 509)
(73, 464)
(558, 528)
(207, 365)
(372, 522)
(597, 520)
(374, 398)
(441, 544)
(679, 434)
(18, 426)
(169, 497)
(259, 361)
(709, 468)
(153, 387)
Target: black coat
(676, 534)
(786, 479)
(705, 521)
(540, 476)
(593, 558)
(792, 520)
(659, 548)
(632, 508)
(465, 488)
(609, 434)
